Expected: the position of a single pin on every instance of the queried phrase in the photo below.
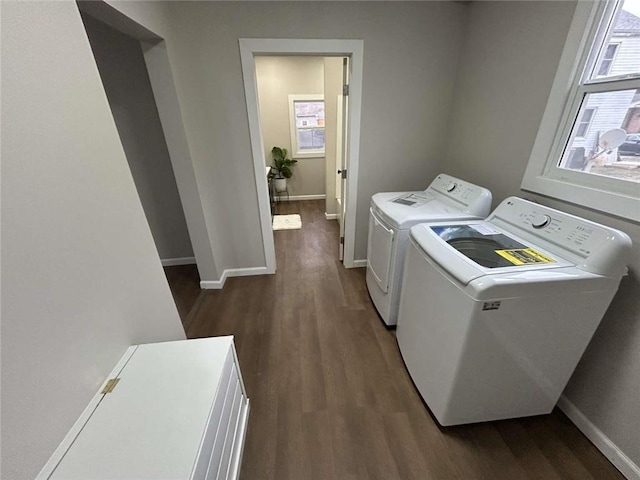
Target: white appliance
(495, 314)
(391, 216)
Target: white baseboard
(359, 263)
(172, 262)
(232, 272)
(331, 216)
(295, 198)
(609, 449)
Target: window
(306, 114)
(607, 59)
(585, 121)
(586, 151)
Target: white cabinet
(179, 410)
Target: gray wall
(410, 61)
(277, 78)
(126, 83)
(510, 56)
(81, 279)
(80, 275)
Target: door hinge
(345, 90)
(341, 240)
(111, 384)
(343, 172)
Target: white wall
(80, 274)
(277, 78)
(126, 82)
(509, 60)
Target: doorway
(351, 49)
(136, 76)
(125, 79)
(300, 99)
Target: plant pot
(280, 184)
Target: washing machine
(495, 314)
(392, 214)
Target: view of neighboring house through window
(587, 151)
(307, 125)
(608, 97)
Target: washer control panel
(571, 233)
(468, 197)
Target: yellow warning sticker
(525, 256)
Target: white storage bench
(174, 410)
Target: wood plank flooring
(184, 282)
(330, 397)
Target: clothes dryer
(495, 315)
(392, 214)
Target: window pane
(621, 53)
(311, 139)
(609, 110)
(318, 138)
(309, 114)
(305, 139)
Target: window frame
(543, 174)
(296, 153)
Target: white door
(339, 162)
(341, 151)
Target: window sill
(624, 206)
(305, 156)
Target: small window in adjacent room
(588, 147)
(306, 114)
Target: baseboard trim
(297, 198)
(232, 272)
(359, 263)
(331, 216)
(172, 262)
(603, 443)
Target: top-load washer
(495, 314)
(392, 214)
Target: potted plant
(282, 165)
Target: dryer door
(379, 251)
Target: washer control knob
(540, 221)
(451, 187)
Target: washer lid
(471, 250)
(401, 210)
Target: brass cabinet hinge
(111, 384)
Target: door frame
(354, 49)
(156, 58)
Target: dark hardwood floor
(330, 397)
(184, 282)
